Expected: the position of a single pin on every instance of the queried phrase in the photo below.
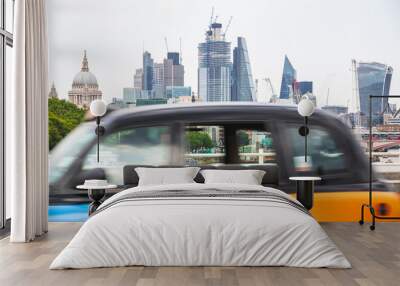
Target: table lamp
(98, 108)
(305, 108)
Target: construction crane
(273, 95)
(180, 50)
(327, 97)
(227, 26)
(256, 90)
(166, 44)
(212, 15)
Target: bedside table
(95, 194)
(305, 190)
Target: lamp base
(305, 193)
(95, 195)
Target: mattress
(201, 225)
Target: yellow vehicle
(346, 206)
(226, 135)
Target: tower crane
(327, 97)
(212, 15)
(166, 43)
(273, 94)
(256, 90)
(180, 50)
(227, 26)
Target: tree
(63, 117)
(198, 140)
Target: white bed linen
(249, 177)
(206, 231)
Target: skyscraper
(138, 79)
(174, 56)
(169, 73)
(173, 71)
(372, 78)
(243, 85)
(305, 87)
(158, 80)
(153, 78)
(148, 63)
(215, 66)
(289, 77)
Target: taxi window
(324, 154)
(204, 145)
(135, 146)
(255, 146)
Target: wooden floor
(375, 257)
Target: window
(255, 146)
(204, 145)
(135, 146)
(68, 151)
(6, 42)
(324, 155)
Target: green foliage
(63, 117)
(198, 141)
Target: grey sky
(319, 37)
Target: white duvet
(200, 231)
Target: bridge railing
(258, 156)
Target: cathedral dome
(85, 77)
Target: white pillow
(248, 177)
(166, 176)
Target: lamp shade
(305, 107)
(98, 107)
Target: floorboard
(375, 257)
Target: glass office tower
(289, 77)
(174, 72)
(373, 79)
(243, 85)
(305, 87)
(148, 64)
(215, 66)
(174, 56)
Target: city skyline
(320, 53)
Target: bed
(197, 224)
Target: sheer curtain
(28, 150)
